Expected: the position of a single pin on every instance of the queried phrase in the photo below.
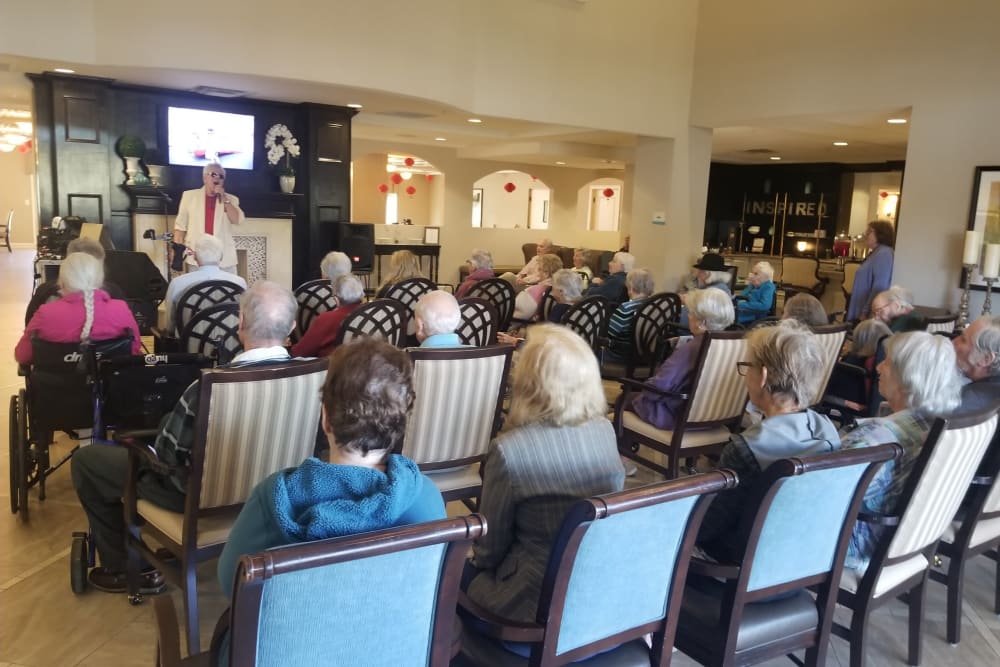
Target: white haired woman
(780, 376)
(333, 264)
(480, 265)
(567, 289)
(557, 446)
(613, 287)
(709, 310)
(639, 284)
(84, 313)
(757, 298)
(919, 380)
(320, 339)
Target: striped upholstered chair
(712, 407)
(459, 395)
(831, 340)
(937, 482)
(251, 422)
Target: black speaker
(136, 274)
(356, 240)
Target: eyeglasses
(215, 174)
(742, 367)
(878, 310)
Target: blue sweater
(754, 303)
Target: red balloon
(509, 187)
(609, 193)
(396, 178)
(383, 188)
(429, 177)
(410, 190)
(883, 194)
(408, 162)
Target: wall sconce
(801, 246)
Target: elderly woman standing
(480, 264)
(757, 298)
(84, 313)
(557, 446)
(875, 273)
(709, 310)
(919, 380)
(780, 377)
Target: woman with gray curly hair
(567, 289)
(919, 380)
(480, 265)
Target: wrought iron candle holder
(963, 304)
(988, 303)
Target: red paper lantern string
(509, 187)
(396, 178)
(410, 190)
(408, 162)
(383, 188)
(883, 194)
(609, 193)
(429, 177)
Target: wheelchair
(61, 386)
(135, 393)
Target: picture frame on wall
(984, 213)
(432, 235)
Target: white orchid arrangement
(280, 143)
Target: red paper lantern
(408, 162)
(883, 194)
(383, 188)
(429, 177)
(410, 190)
(24, 148)
(509, 187)
(609, 193)
(396, 178)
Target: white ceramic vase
(155, 173)
(131, 169)
(287, 184)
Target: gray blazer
(531, 476)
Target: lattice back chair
(934, 488)
(418, 568)
(202, 296)
(501, 294)
(61, 390)
(831, 339)
(785, 543)
(381, 318)
(651, 328)
(942, 324)
(408, 292)
(850, 271)
(456, 414)
(314, 297)
(214, 333)
(589, 318)
(7, 229)
(251, 422)
(479, 322)
(581, 610)
(974, 531)
(707, 413)
(545, 307)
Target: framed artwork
(432, 235)
(984, 213)
(477, 207)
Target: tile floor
(42, 624)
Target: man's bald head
(267, 315)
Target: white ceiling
(409, 120)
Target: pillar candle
(973, 245)
(991, 264)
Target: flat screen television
(196, 137)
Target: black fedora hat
(711, 261)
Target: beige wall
(17, 187)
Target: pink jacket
(62, 321)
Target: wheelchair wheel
(14, 442)
(79, 561)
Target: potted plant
(280, 143)
(131, 148)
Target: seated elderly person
(639, 283)
(861, 351)
(567, 289)
(779, 372)
(366, 398)
(757, 298)
(919, 380)
(581, 264)
(403, 265)
(480, 264)
(710, 273)
(267, 315)
(531, 273)
(49, 290)
(612, 288)
(894, 306)
(527, 302)
(321, 337)
(557, 446)
(806, 309)
(84, 313)
(333, 264)
(208, 254)
(710, 310)
(437, 316)
(977, 352)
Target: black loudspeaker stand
(355, 239)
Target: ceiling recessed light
(475, 120)
(896, 121)
(355, 105)
(440, 139)
(560, 162)
(840, 143)
(63, 70)
(775, 157)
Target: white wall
(17, 191)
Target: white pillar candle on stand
(991, 264)
(973, 246)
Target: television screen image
(197, 137)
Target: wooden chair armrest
(709, 568)
(168, 638)
(219, 634)
(878, 519)
(487, 623)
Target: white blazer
(191, 220)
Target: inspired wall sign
(785, 216)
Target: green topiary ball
(131, 146)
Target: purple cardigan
(62, 321)
(675, 374)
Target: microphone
(167, 198)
